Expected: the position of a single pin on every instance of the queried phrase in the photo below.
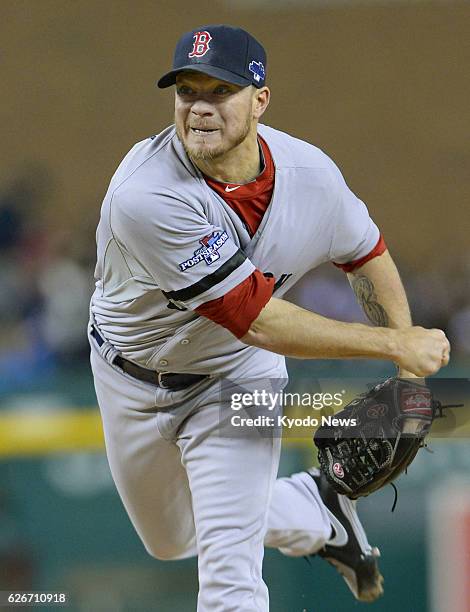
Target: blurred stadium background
(382, 86)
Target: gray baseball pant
(188, 491)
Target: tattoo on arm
(365, 293)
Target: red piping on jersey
(238, 308)
(379, 249)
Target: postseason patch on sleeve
(207, 252)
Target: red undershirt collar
(262, 183)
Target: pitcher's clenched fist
(422, 351)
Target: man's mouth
(202, 132)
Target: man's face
(212, 117)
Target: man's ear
(261, 99)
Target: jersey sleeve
(379, 249)
(238, 308)
(191, 260)
(354, 232)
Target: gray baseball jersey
(168, 243)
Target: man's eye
(221, 90)
(184, 90)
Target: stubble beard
(204, 155)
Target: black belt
(166, 380)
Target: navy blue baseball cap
(221, 51)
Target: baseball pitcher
(203, 229)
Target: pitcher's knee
(162, 554)
(168, 552)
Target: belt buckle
(159, 380)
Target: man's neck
(240, 165)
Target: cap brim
(169, 78)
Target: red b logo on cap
(200, 44)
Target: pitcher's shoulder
(290, 151)
(156, 179)
(152, 150)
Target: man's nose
(202, 108)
